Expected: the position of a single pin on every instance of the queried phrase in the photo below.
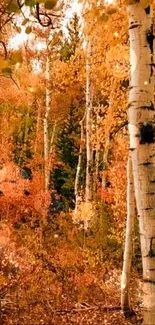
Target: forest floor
(37, 287)
(83, 314)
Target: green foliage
(67, 151)
(7, 72)
(23, 134)
(98, 240)
(13, 6)
(30, 3)
(72, 41)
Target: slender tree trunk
(96, 171)
(88, 128)
(38, 124)
(46, 136)
(78, 170)
(128, 251)
(51, 148)
(97, 159)
(142, 143)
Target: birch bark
(96, 159)
(128, 251)
(78, 170)
(88, 128)
(141, 115)
(46, 136)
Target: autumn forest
(77, 162)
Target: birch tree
(141, 115)
(88, 127)
(78, 170)
(48, 142)
(128, 250)
(47, 109)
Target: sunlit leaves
(107, 12)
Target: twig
(85, 308)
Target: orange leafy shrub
(22, 198)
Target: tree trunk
(50, 156)
(38, 124)
(78, 170)
(96, 159)
(46, 136)
(142, 143)
(88, 128)
(128, 251)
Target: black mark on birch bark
(147, 10)
(150, 38)
(149, 281)
(148, 107)
(152, 247)
(134, 26)
(146, 134)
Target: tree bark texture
(89, 157)
(141, 115)
(46, 136)
(128, 250)
(78, 170)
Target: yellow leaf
(50, 4)
(28, 30)
(3, 63)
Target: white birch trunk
(141, 127)
(78, 170)
(46, 136)
(128, 250)
(88, 128)
(38, 106)
(51, 147)
(97, 159)
(96, 173)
